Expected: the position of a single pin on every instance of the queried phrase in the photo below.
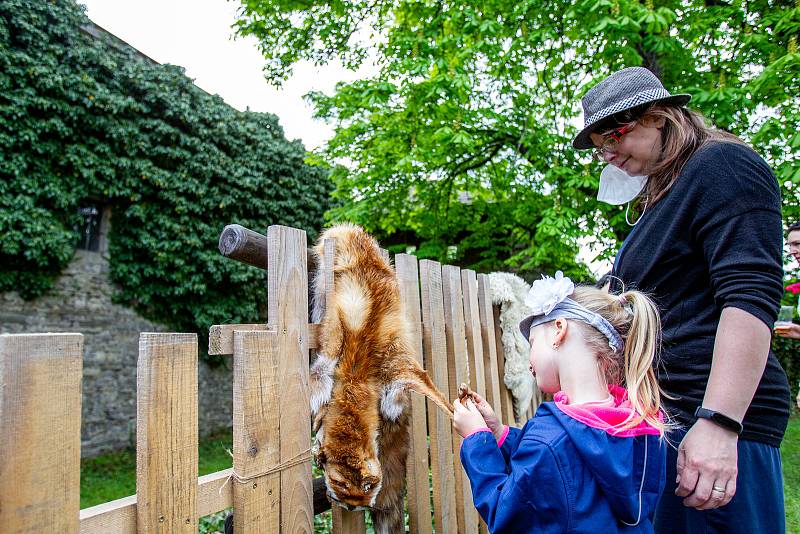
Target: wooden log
(256, 432)
(166, 433)
(419, 506)
(477, 376)
(458, 372)
(242, 244)
(441, 441)
(489, 347)
(287, 307)
(40, 432)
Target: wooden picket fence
(270, 486)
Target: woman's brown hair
(683, 133)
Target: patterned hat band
(641, 98)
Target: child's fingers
(471, 406)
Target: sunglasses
(611, 141)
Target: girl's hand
(466, 418)
(791, 330)
(707, 466)
(489, 416)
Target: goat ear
(415, 378)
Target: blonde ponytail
(642, 344)
(636, 318)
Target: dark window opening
(89, 230)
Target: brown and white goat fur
(360, 379)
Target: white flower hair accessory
(547, 293)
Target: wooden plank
(220, 336)
(505, 394)
(419, 505)
(439, 426)
(287, 305)
(40, 432)
(458, 372)
(214, 493)
(347, 522)
(114, 517)
(256, 432)
(166, 433)
(469, 288)
(489, 347)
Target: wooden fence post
(435, 346)
(505, 394)
(477, 375)
(287, 305)
(458, 372)
(166, 433)
(256, 432)
(419, 507)
(40, 432)
(489, 347)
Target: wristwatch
(719, 419)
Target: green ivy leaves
(84, 121)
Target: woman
(707, 247)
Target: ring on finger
(717, 488)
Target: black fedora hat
(623, 90)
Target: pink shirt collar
(608, 415)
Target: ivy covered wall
(83, 121)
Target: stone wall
(81, 302)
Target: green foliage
(481, 101)
(84, 120)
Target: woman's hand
(489, 416)
(707, 466)
(790, 330)
(466, 418)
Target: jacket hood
(630, 469)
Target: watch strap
(719, 419)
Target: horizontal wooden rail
(213, 495)
(220, 336)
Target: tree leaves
(481, 101)
(84, 121)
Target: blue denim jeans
(757, 506)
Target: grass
(790, 453)
(113, 476)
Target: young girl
(594, 459)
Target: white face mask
(618, 187)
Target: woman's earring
(555, 346)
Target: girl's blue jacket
(557, 474)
